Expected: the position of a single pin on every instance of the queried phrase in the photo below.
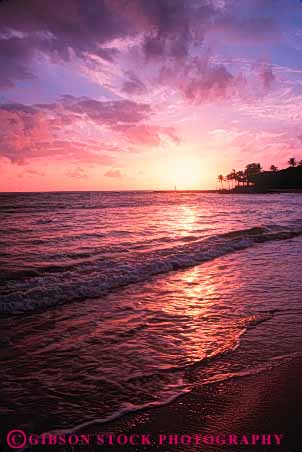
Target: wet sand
(265, 403)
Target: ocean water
(114, 301)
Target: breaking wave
(97, 277)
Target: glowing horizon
(147, 96)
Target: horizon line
(112, 191)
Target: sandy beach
(263, 404)
(236, 410)
(253, 412)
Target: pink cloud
(114, 173)
(43, 130)
(76, 173)
(146, 134)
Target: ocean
(115, 301)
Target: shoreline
(261, 409)
(263, 403)
(253, 191)
(261, 400)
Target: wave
(178, 383)
(102, 276)
(180, 390)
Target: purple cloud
(250, 30)
(266, 76)
(214, 83)
(109, 113)
(166, 30)
(199, 80)
(133, 85)
(84, 29)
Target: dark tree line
(246, 177)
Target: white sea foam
(57, 285)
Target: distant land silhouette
(254, 180)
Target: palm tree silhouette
(273, 168)
(229, 178)
(251, 171)
(221, 179)
(234, 176)
(239, 177)
(292, 162)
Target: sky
(146, 94)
